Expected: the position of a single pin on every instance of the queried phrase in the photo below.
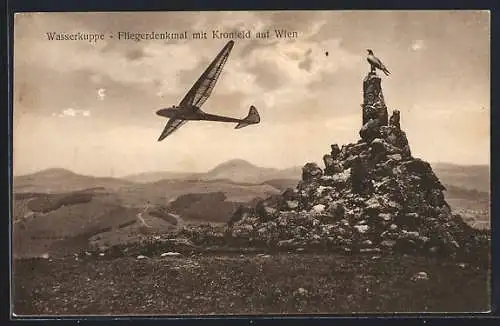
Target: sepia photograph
(250, 163)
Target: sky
(90, 107)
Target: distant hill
(240, 171)
(243, 171)
(232, 174)
(51, 223)
(57, 180)
(464, 176)
(65, 222)
(236, 170)
(148, 177)
(163, 191)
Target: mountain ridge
(243, 172)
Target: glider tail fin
(252, 118)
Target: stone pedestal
(373, 107)
(373, 100)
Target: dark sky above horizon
(91, 107)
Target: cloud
(70, 112)
(283, 57)
(306, 63)
(96, 78)
(135, 54)
(418, 45)
(142, 65)
(276, 75)
(101, 93)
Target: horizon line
(121, 176)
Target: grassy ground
(248, 284)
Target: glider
(189, 107)
(375, 63)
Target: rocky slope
(371, 196)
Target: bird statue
(375, 63)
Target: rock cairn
(370, 196)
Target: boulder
(395, 157)
(370, 130)
(290, 194)
(318, 209)
(388, 243)
(267, 209)
(289, 243)
(336, 210)
(396, 137)
(359, 182)
(292, 204)
(362, 228)
(335, 151)
(358, 149)
(329, 164)
(394, 120)
(311, 171)
(241, 212)
(382, 146)
(387, 217)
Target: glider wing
(203, 87)
(172, 125)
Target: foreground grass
(248, 284)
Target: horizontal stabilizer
(252, 118)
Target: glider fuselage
(193, 113)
